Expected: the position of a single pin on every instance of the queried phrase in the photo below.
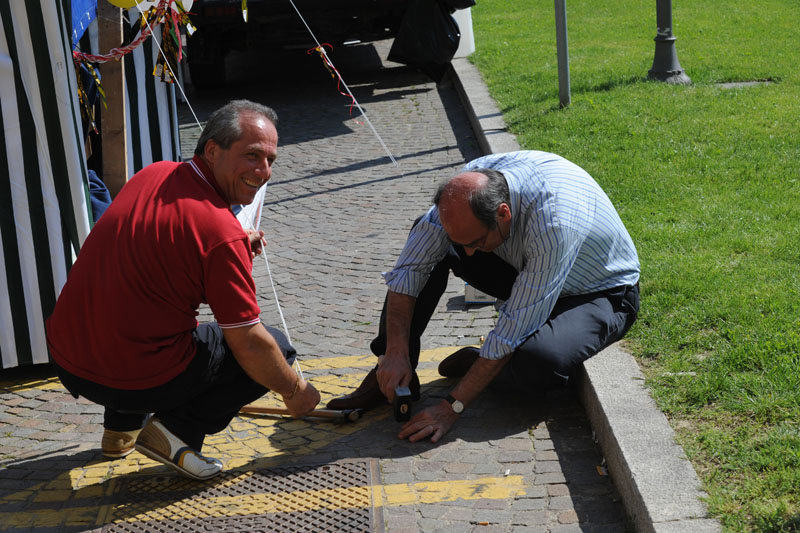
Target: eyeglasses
(480, 242)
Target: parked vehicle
(276, 25)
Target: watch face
(456, 405)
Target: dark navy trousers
(577, 328)
(200, 401)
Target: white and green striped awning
(44, 205)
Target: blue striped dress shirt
(566, 239)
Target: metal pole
(665, 63)
(563, 52)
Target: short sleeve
(230, 289)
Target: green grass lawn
(707, 180)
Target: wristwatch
(457, 406)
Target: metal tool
(402, 404)
(347, 415)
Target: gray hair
(223, 124)
(486, 200)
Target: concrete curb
(659, 487)
(484, 115)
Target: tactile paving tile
(333, 497)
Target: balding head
(472, 205)
(456, 194)
(482, 190)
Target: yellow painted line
(286, 502)
(316, 363)
(437, 354)
(269, 445)
(344, 361)
(492, 488)
(368, 361)
(52, 383)
(269, 435)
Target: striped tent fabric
(151, 108)
(43, 177)
(44, 203)
(150, 103)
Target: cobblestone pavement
(336, 215)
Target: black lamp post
(665, 63)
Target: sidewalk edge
(658, 485)
(484, 115)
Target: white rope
(363, 113)
(252, 221)
(166, 62)
(255, 225)
(255, 221)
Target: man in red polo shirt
(124, 332)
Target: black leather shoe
(369, 395)
(457, 364)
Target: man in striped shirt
(527, 227)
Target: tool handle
(350, 414)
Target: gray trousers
(578, 327)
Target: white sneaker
(157, 443)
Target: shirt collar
(204, 172)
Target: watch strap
(452, 401)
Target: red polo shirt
(167, 243)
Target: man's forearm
(260, 356)
(395, 367)
(435, 421)
(399, 312)
(482, 372)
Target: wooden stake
(113, 124)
